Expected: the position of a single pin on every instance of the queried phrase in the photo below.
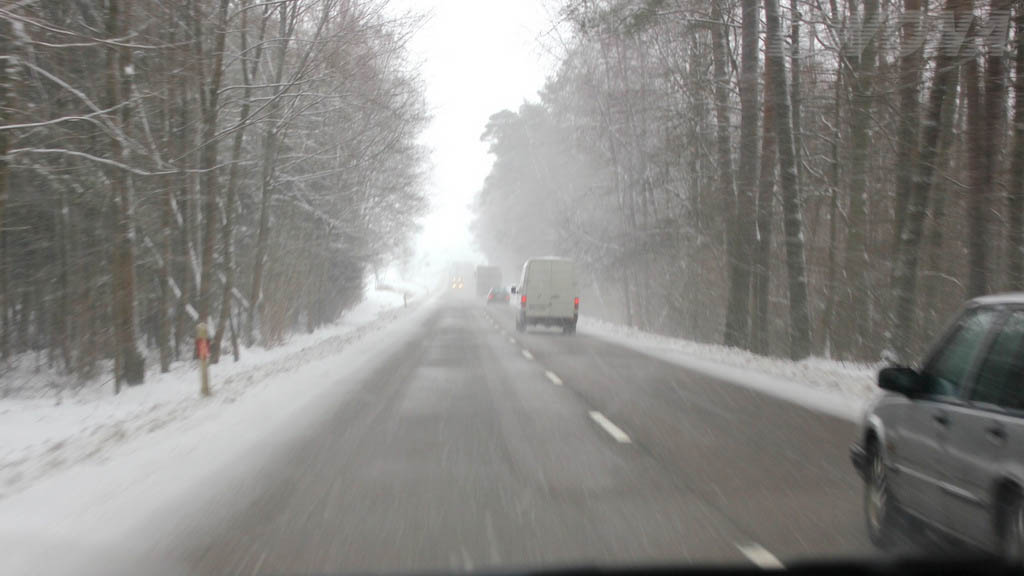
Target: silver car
(945, 443)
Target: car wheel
(520, 325)
(1012, 537)
(879, 508)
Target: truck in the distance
(487, 277)
(460, 276)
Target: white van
(548, 294)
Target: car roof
(998, 299)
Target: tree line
(792, 177)
(237, 162)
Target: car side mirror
(900, 379)
(513, 289)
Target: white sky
(477, 57)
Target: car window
(1000, 372)
(944, 376)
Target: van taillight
(522, 301)
(576, 303)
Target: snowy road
(468, 446)
(462, 452)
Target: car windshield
(411, 286)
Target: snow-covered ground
(167, 459)
(838, 388)
(48, 422)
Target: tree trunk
(799, 328)
(765, 211)
(726, 186)
(209, 98)
(62, 318)
(229, 207)
(979, 178)
(167, 243)
(270, 144)
(737, 325)
(905, 271)
(7, 92)
(129, 360)
(858, 287)
(936, 255)
(166, 234)
(911, 52)
(995, 111)
(795, 95)
(833, 225)
(1015, 195)
(182, 330)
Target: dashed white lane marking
(512, 340)
(761, 557)
(527, 355)
(610, 427)
(553, 377)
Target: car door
(983, 433)
(916, 448)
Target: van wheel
(569, 329)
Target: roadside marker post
(203, 352)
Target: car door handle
(996, 434)
(941, 418)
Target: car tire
(569, 329)
(520, 324)
(1011, 537)
(881, 513)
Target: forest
(162, 163)
(791, 177)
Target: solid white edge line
(527, 355)
(553, 377)
(760, 556)
(610, 427)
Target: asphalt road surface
(473, 447)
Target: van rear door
(538, 289)
(562, 289)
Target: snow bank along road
(460, 444)
(52, 423)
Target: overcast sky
(477, 57)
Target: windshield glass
(406, 286)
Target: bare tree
(765, 215)
(128, 361)
(209, 97)
(1015, 195)
(737, 324)
(857, 285)
(799, 329)
(905, 268)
